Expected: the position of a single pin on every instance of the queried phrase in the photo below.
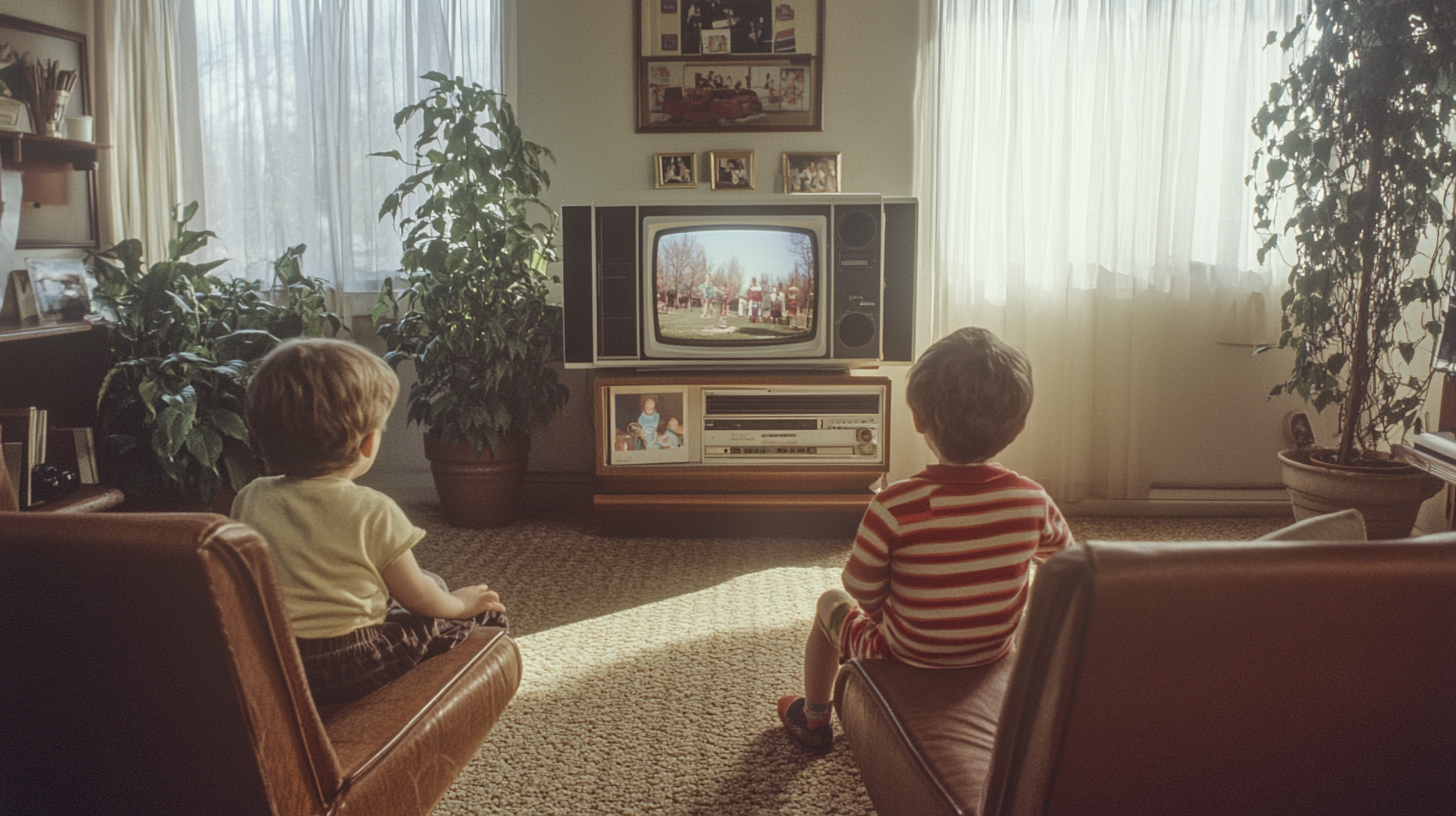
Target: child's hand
(477, 599)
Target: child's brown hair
(970, 392)
(311, 403)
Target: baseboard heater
(1189, 501)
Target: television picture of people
(735, 287)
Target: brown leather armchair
(1224, 678)
(148, 667)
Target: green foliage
(475, 322)
(182, 346)
(1357, 164)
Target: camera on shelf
(48, 481)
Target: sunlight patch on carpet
(666, 707)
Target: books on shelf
(27, 441)
(27, 428)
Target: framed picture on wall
(812, 172)
(59, 200)
(734, 65)
(731, 169)
(675, 171)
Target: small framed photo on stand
(731, 169)
(812, 172)
(649, 425)
(63, 288)
(19, 306)
(676, 171)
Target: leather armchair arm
(430, 721)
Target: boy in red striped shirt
(938, 575)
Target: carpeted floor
(652, 666)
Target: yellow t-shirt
(331, 541)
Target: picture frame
(63, 287)
(775, 48)
(812, 173)
(675, 171)
(668, 439)
(66, 217)
(731, 169)
(19, 306)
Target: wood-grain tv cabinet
(761, 453)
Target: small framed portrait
(717, 42)
(669, 42)
(676, 171)
(669, 6)
(812, 172)
(63, 288)
(649, 425)
(732, 169)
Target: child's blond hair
(970, 392)
(311, 402)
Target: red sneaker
(791, 714)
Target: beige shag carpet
(652, 666)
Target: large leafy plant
(475, 318)
(1358, 164)
(182, 346)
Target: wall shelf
(21, 150)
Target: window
(292, 96)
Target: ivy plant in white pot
(1358, 163)
(473, 313)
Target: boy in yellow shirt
(362, 610)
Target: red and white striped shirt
(942, 562)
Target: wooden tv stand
(798, 488)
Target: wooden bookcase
(719, 499)
(58, 367)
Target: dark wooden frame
(776, 121)
(76, 40)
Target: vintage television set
(659, 286)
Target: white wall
(574, 95)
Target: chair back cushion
(1235, 678)
(148, 668)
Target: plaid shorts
(344, 668)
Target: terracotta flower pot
(1388, 498)
(479, 491)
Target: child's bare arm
(417, 592)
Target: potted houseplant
(473, 314)
(1357, 163)
(182, 345)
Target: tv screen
(735, 285)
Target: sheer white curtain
(293, 96)
(141, 178)
(1081, 169)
